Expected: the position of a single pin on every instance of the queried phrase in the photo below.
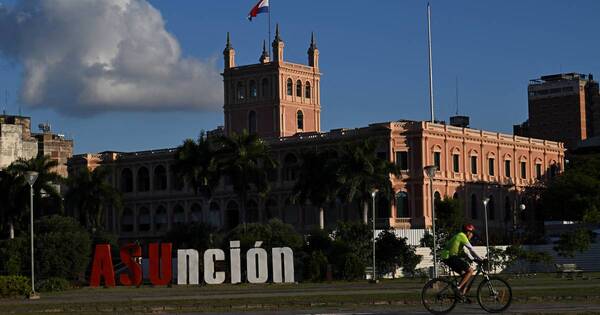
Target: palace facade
(280, 101)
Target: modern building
(280, 101)
(562, 107)
(18, 142)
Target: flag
(261, 7)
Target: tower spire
(228, 54)
(277, 46)
(313, 52)
(264, 57)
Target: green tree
(359, 171)
(317, 182)
(196, 161)
(393, 252)
(574, 241)
(274, 233)
(13, 201)
(89, 197)
(50, 200)
(245, 159)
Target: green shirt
(454, 246)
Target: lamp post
(430, 171)
(31, 177)
(487, 243)
(373, 194)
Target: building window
(241, 90)
(160, 178)
(473, 165)
(196, 213)
(252, 122)
(491, 166)
(300, 120)
(160, 219)
(524, 170)
(402, 160)
(126, 181)
(402, 210)
(253, 91)
(144, 220)
(290, 167)
(538, 171)
(553, 170)
(437, 157)
(289, 87)
(178, 215)
(299, 88)
(507, 168)
(473, 207)
(455, 163)
(437, 197)
(143, 179)
(307, 90)
(127, 220)
(266, 88)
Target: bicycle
(440, 295)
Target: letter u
(162, 275)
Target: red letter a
(102, 266)
(128, 254)
(160, 276)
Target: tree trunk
(321, 218)
(365, 212)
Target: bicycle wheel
(438, 296)
(494, 295)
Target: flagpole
(269, 22)
(430, 71)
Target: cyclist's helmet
(468, 228)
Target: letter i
(234, 253)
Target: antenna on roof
(456, 95)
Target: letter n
(102, 267)
(288, 264)
(160, 267)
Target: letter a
(128, 254)
(160, 275)
(102, 267)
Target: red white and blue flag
(261, 7)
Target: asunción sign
(160, 262)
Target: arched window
(474, 207)
(127, 220)
(300, 120)
(455, 196)
(270, 209)
(251, 211)
(232, 214)
(253, 91)
(252, 122)
(266, 88)
(299, 88)
(196, 213)
(241, 90)
(160, 178)
(290, 167)
(307, 90)
(289, 87)
(143, 179)
(126, 180)
(214, 213)
(437, 197)
(491, 209)
(144, 219)
(160, 219)
(178, 215)
(402, 210)
(177, 181)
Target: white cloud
(87, 56)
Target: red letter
(102, 266)
(129, 253)
(162, 275)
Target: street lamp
(373, 194)
(430, 171)
(31, 177)
(487, 243)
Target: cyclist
(451, 255)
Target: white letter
(183, 266)
(288, 261)
(236, 269)
(210, 276)
(257, 257)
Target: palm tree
(46, 191)
(13, 200)
(89, 197)
(317, 182)
(196, 162)
(244, 158)
(360, 171)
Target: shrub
(354, 267)
(53, 284)
(316, 268)
(11, 286)
(13, 253)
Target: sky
(131, 75)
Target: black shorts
(457, 264)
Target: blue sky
(373, 60)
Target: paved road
(571, 308)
